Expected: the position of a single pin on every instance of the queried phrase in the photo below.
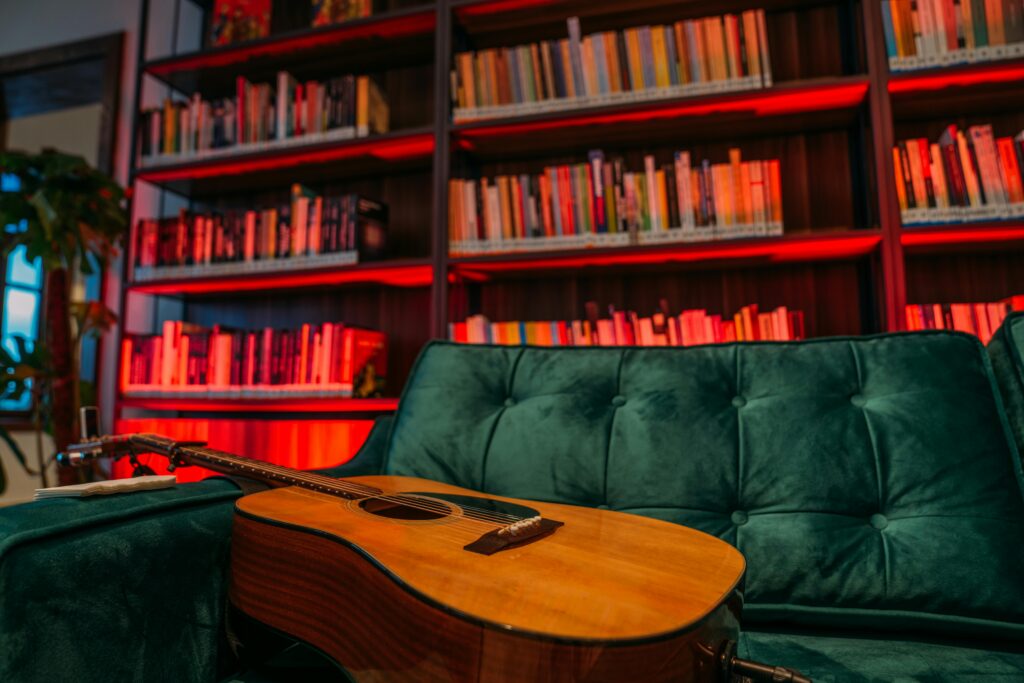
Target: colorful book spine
(922, 34)
(689, 57)
(626, 328)
(331, 230)
(964, 176)
(979, 319)
(263, 116)
(332, 359)
(600, 203)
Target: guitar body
(606, 597)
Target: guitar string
(322, 482)
(326, 484)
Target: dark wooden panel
(965, 277)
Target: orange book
(126, 363)
(733, 59)
(589, 67)
(467, 80)
(1011, 171)
(775, 176)
(736, 169)
(996, 25)
(515, 193)
(636, 72)
(660, 55)
(498, 82)
(570, 85)
(611, 51)
(749, 315)
(682, 52)
(745, 196)
(901, 190)
(741, 333)
(750, 42)
(663, 214)
(538, 68)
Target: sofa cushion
(867, 480)
(1006, 350)
(864, 657)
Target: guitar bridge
(524, 530)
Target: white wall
(43, 23)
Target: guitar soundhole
(406, 508)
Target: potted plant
(72, 217)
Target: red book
(364, 362)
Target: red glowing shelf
(404, 273)
(957, 77)
(805, 247)
(981, 235)
(796, 98)
(393, 147)
(363, 407)
(387, 33)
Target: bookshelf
(831, 116)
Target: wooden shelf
(379, 41)
(808, 105)
(398, 273)
(994, 86)
(977, 237)
(371, 155)
(364, 408)
(807, 247)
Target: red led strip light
(953, 236)
(317, 405)
(420, 23)
(395, 148)
(776, 102)
(775, 250)
(964, 77)
(413, 275)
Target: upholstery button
(858, 400)
(618, 400)
(878, 521)
(509, 402)
(739, 518)
(738, 402)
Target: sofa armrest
(369, 459)
(122, 587)
(1006, 351)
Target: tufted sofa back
(868, 481)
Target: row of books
(929, 33)
(330, 358)
(261, 113)
(691, 57)
(235, 21)
(980, 319)
(600, 203)
(965, 176)
(309, 226)
(626, 328)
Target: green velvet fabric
(1006, 349)
(840, 657)
(868, 481)
(126, 587)
(116, 588)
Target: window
(21, 298)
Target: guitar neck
(195, 453)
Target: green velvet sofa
(874, 485)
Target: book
(329, 359)
(922, 34)
(107, 487)
(234, 21)
(327, 12)
(689, 57)
(626, 328)
(971, 175)
(309, 231)
(263, 116)
(979, 319)
(599, 202)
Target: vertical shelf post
(441, 169)
(894, 288)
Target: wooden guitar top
(603, 576)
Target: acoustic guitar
(402, 579)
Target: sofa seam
(497, 418)
(739, 439)
(611, 423)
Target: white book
(101, 488)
